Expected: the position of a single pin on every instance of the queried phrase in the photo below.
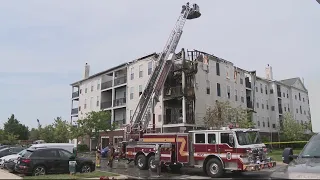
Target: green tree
(292, 130)
(241, 117)
(96, 122)
(13, 126)
(219, 115)
(60, 130)
(47, 134)
(34, 134)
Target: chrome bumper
(258, 167)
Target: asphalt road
(186, 173)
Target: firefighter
(98, 156)
(111, 155)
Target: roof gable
(294, 82)
(299, 85)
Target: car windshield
(312, 149)
(248, 137)
(22, 152)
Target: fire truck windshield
(248, 137)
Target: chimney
(86, 71)
(269, 74)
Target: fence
(291, 144)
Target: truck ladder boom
(142, 115)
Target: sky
(44, 45)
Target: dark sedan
(10, 150)
(50, 161)
(306, 165)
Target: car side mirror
(72, 157)
(287, 155)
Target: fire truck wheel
(214, 168)
(142, 162)
(152, 164)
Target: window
(261, 89)
(304, 112)
(200, 138)
(256, 89)
(285, 108)
(131, 92)
(267, 104)
(295, 97)
(271, 91)
(300, 110)
(297, 110)
(85, 90)
(228, 92)
(80, 91)
(91, 88)
(241, 81)
(236, 95)
(287, 95)
(262, 105)
(85, 104)
(225, 138)
(284, 94)
(218, 90)
(212, 139)
(64, 154)
(259, 123)
(149, 67)
(98, 100)
(98, 86)
(303, 99)
(227, 72)
(208, 87)
(263, 124)
(140, 90)
(268, 121)
(272, 108)
(242, 99)
(140, 71)
(299, 97)
(91, 101)
(266, 89)
(218, 69)
(257, 105)
(273, 126)
(132, 73)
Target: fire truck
(214, 150)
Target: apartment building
(195, 82)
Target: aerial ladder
(144, 112)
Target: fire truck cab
(215, 151)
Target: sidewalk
(6, 175)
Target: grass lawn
(95, 174)
(276, 154)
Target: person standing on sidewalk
(111, 155)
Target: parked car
(10, 150)
(8, 162)
(66, 146)
(41, 161)
(306, 165)
(10, 157)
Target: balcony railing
(75, 94)
(280, 110)
(105, 105)
(173, 119)
(74, 111)
(248, 84)
(119, 102)
(120, 80)
(173, 92)
(106, 85)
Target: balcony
(173, 119)
(279, 94)
(106, 85)
(105, 105)
(280, 110)
(120, 80)
(173, 92)
(248, 83)
(119, 102)
(75, 94)
(74, 111)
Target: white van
(66, 146)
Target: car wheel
(142, 162)
(85, 168)
(39, 171)
(214, 168)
